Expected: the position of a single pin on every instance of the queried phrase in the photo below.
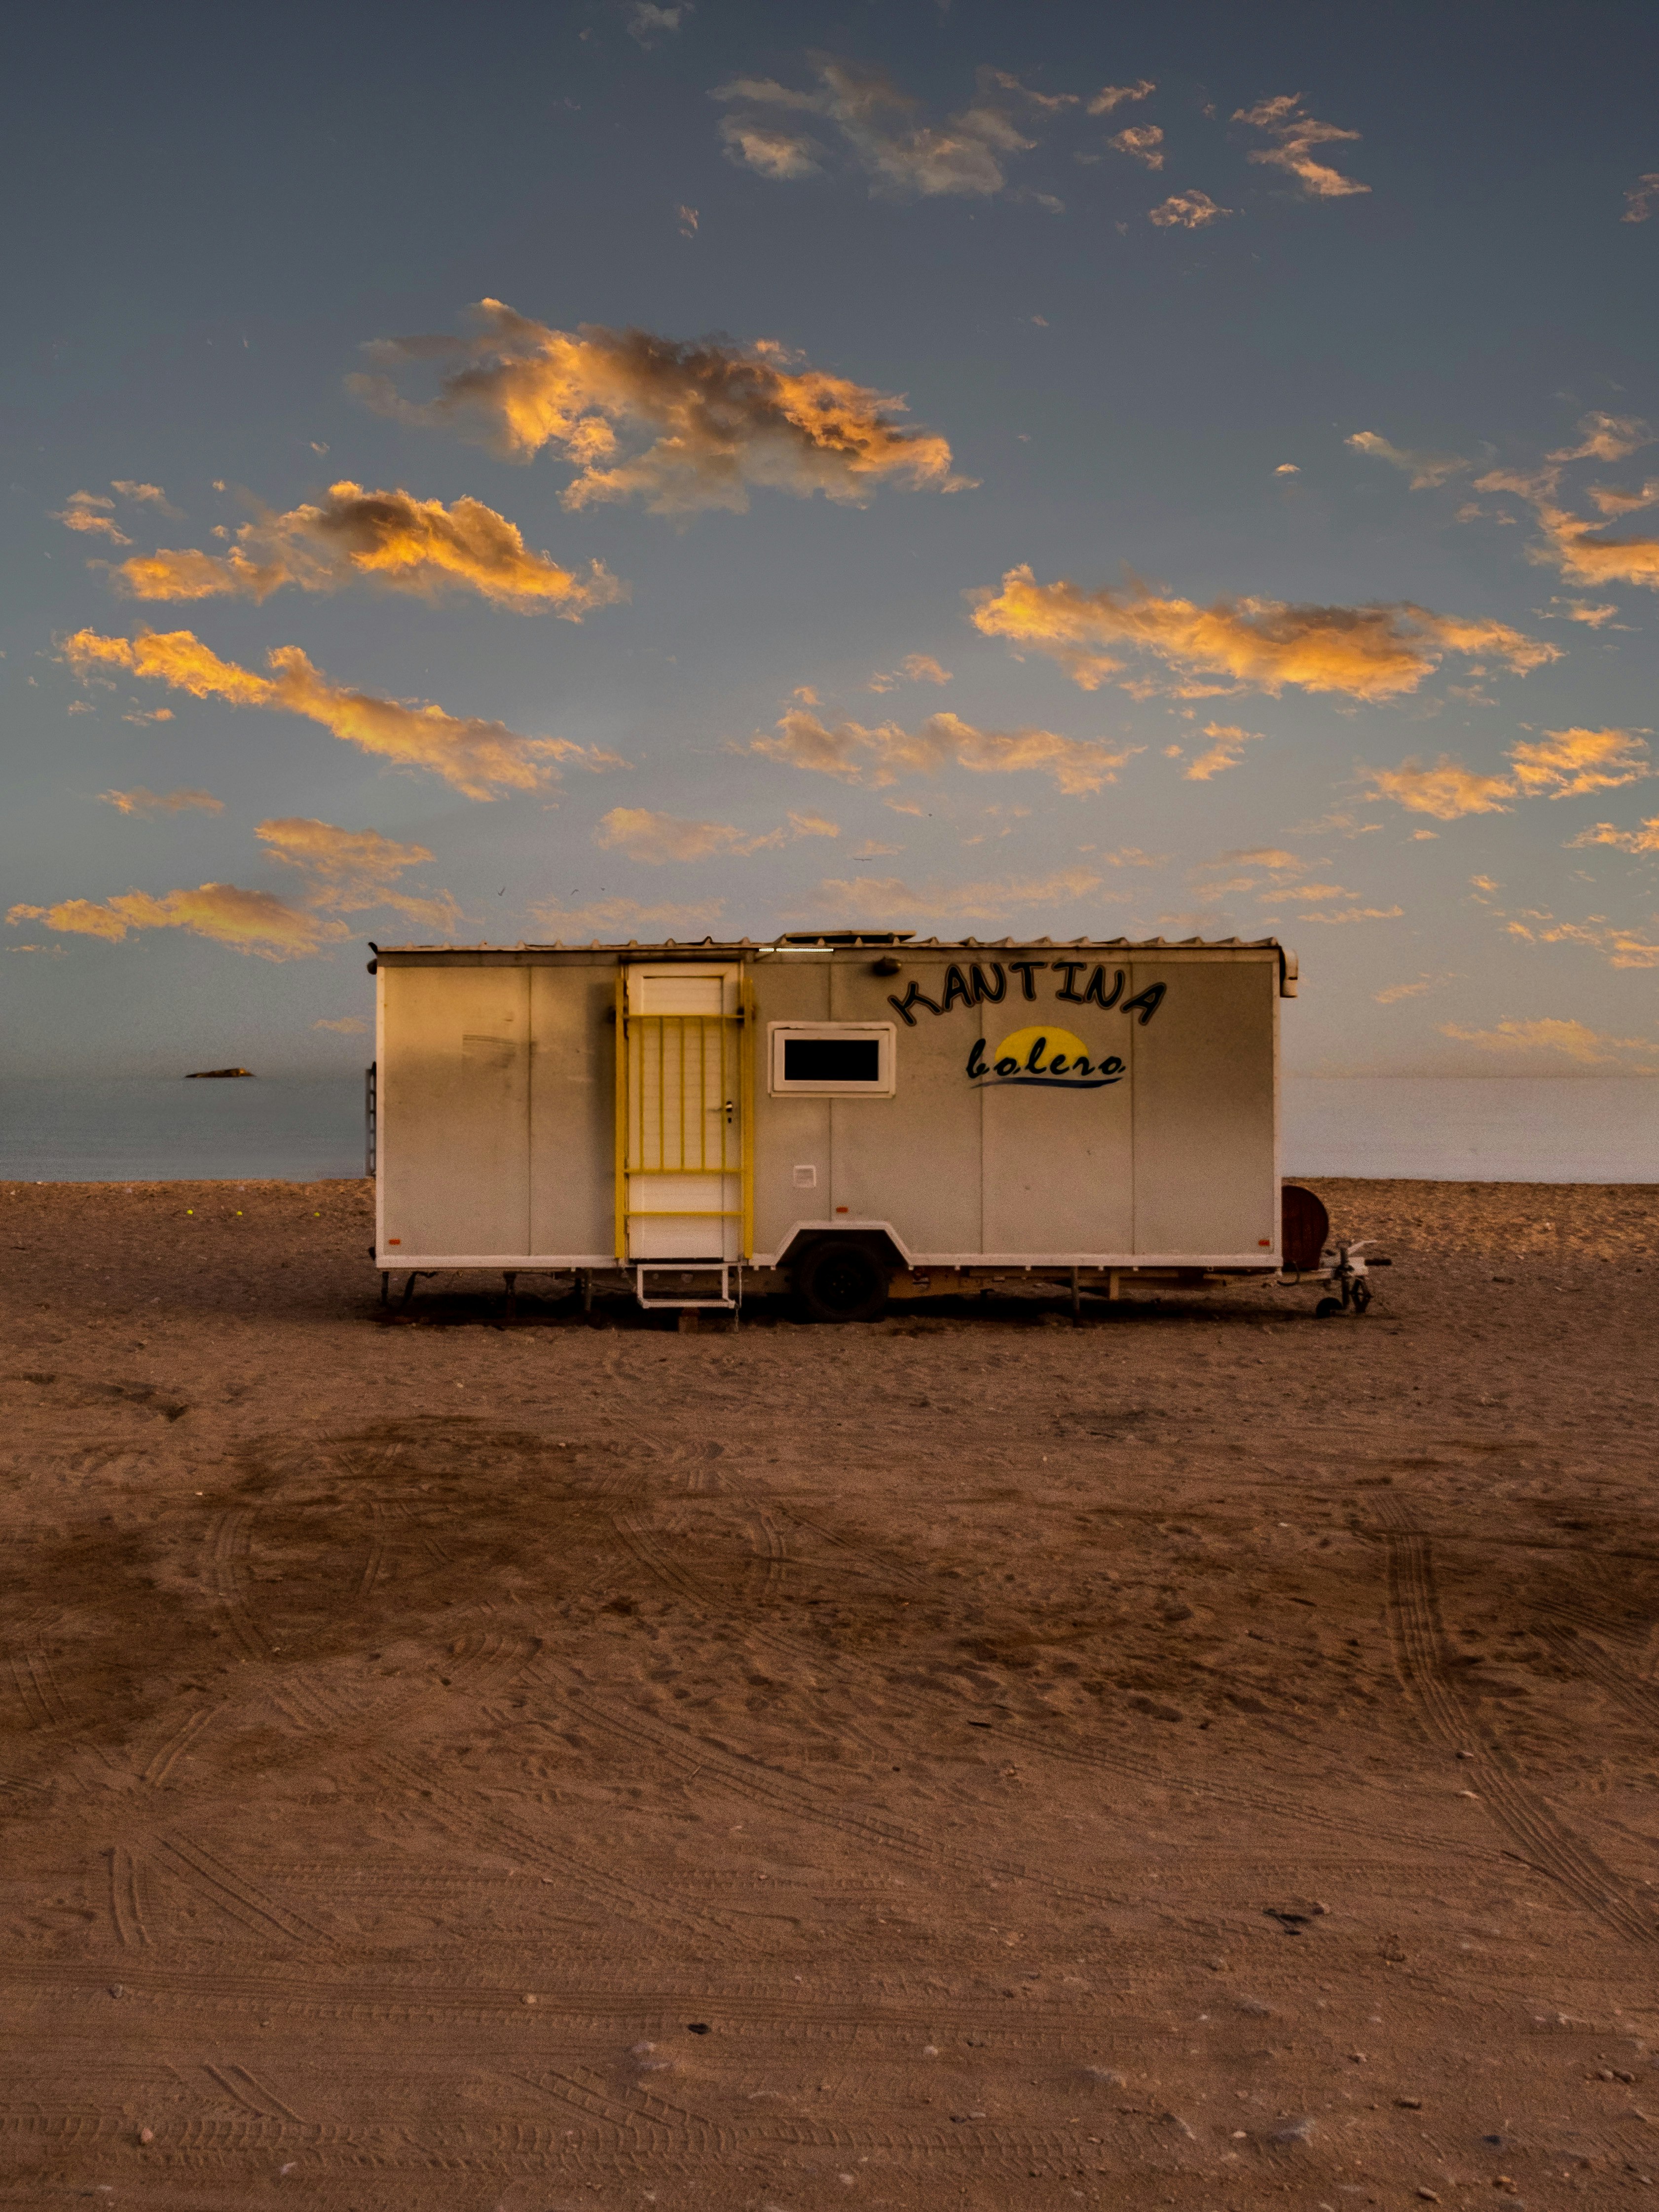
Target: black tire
(838, 1281)
(1327, 1307)
(1360, 1291)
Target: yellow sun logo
(1045, 1056)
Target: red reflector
(394, 1240)
(1265, 1243)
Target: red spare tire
(1304, 1227)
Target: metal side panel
(572, 1110)
(454, 1110)
(1206, 1166)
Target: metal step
(721, 1267)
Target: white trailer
(837, 1111)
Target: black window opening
(832, 1060)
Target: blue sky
(1262, 544)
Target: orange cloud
(1112, 96)
(1370, 653)
(878, 757)
(723, 417)
(645, 835)
(1621, 947)
(1568, 764)
(145, 494)
(1606, 438)
(1447, 790)
(167, 802)
(1572, 546)
(1297, 135)
(82, 512)
(1142, 142)
(914, 668)
(1643, 839)
(385, 537)
(478, 758)
(1189, 210)
(1354, 913)
(247, 921)
(1572, 1040)
(1641, 198)
(353, 871)
(1226, 752)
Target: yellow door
(682, 1099)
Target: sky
(626, 470)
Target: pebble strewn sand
(1203, 1758)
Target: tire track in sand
(1536, 1836)
(126, 1899)
(1121, 1764)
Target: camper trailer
(837, 1114)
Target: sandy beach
(1206, 1756)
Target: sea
(302, 1129)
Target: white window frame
(778, 1034)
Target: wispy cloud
(1142, 142)
(346, 872)
(644, 835)
(355, 871)
(1226, 752)
(626, 921)
(647, 22)
(1448, 790)
(142, 802)
(388, 538)
(1395, 993)
(1296, 134)
(914, 668)
(1111, 97)
(880, 129)
(144, 494)
(1569, 763)
(1370, 653)
(1568, 1040)
(1603, 437)
(1644, 838)
(1426, 470)
(247, 921)
(1189, 211)
(1339, 915)
(1641, 198)
(1574, 543)
(86, 511)
(480, 759)
(1560, 764)
(877, 756)
(722, 417)
(1621, 946)
(880, 901)
(348, 1025)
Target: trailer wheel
(1360, 1291)
(1326, 1308)
(841, 1282)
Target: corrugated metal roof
(885, 940)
